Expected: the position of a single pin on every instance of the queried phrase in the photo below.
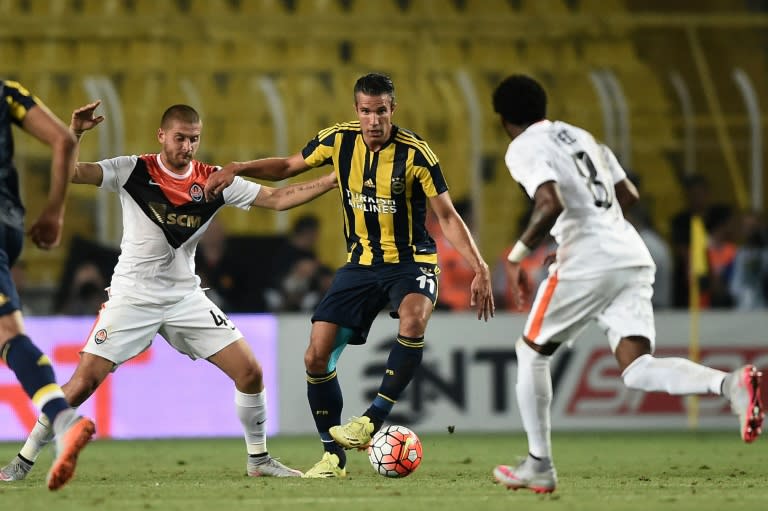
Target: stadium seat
(11, 50)
(48, 8)
(543, 7)
(447, 130)
(379, 8)
(46, 55)
(613, 52)
(319, 8)
(207, 9)
(493, 54)
(323, 55)
(263, 8)
(102, 57)
(389, 56)
(487, 8)
(153, 7)
(602, 6)
(105, 7)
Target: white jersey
(164, 216)
(591, 232)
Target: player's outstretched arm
(83, 119)
(270, 169)
(458, 234)
(548, 205)
(626, 193)
(46, 127)
(291, 196)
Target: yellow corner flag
(699, 268)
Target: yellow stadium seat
(46, 55)
(50, 8)
(319, 8)
(601, 6)
(212, 8)
(153, 8)
(94, 56)
(609, 52)
(320, 56)
(11, 53)
(543, 7)
(389, 56)
(143, 99)
(105, 7)
(378, 8)
(494, 54)
(488, 7)
(149, 55)
(445, 53)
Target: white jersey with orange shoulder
(164, 216)
(591, 232)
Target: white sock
(40, 436)
(252, 411)
(673, 375)
(534, 398)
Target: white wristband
(518, 252)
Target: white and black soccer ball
(395, 451)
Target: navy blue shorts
(11, 241)
(358, 293)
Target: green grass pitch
(598, 471)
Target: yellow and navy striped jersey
(15, 102)
(383, 193)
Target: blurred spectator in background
(455, 273)
(301, 244)
(298, 272)
(301, 289)
(215, 276)
(720, 222)
(749, 281)
(86, 291)
(639, 216)
(697, 197)
(85, 276)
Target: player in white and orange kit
(154, 288)
(603, 273)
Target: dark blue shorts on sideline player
(11, 240)
(358, 293)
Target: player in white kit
(603, 272)
(154, 288)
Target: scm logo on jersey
(160, 213)
(192, 221)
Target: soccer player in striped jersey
(33, 369)
(386, 177)
(603, 273)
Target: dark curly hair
(520, 100)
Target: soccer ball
(395, 451)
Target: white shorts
(619, 300)
(195, 326)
